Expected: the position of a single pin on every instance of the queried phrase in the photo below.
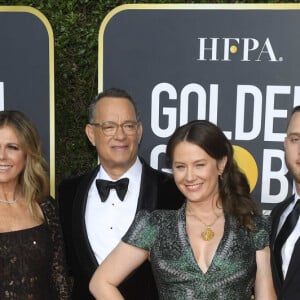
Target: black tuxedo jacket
(289, 289)
(157, 191)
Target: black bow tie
(104, 186)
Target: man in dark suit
(96, 213)
(285, 235)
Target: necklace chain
(10, 201)
(206, 225)
(208, 233)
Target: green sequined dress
(231, 274)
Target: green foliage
(75, 25)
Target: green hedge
(75, 25)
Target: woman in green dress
(216, 246)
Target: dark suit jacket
(289, 289)
(157, 191)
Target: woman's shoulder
(148, 226)
(49, 204)
(262, 222)
(159, 214)
(156, 218)
(49, 207)
(261, 231)
(163, 213)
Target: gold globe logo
(247, 164)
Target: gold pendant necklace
(207, 234)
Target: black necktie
(284, 233)
(104, 186)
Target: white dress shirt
(107, 222)
(288, 247)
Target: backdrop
(236, 65)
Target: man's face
(118, 152)
(292, 147)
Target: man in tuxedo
(285, 235)
(97, 208)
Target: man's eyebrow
(294, 133)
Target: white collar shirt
(107, 222)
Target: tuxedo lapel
(276, 214)
(148, 189)
(81, 243)
(294, 263)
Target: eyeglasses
(110, 128)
